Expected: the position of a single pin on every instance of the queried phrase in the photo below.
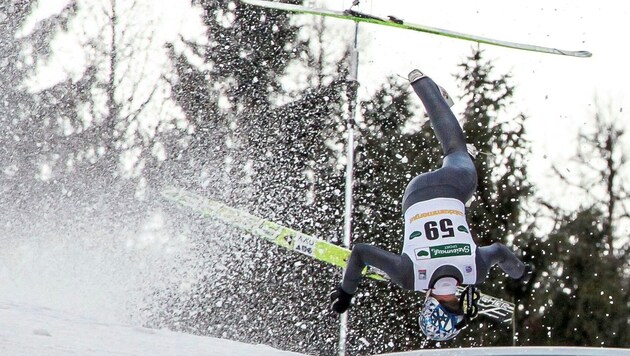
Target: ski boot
(416, 75)
(473, 152)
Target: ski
(396, 22)
(292, 240)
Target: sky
(556, 93)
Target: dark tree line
(247, 139)
(583, 263)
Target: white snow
(34, 330)
(72, 283)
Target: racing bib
(436, 235)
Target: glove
(519, 285)
(340, 300)
(527, 275)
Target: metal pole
(514, 321)
(347, 236)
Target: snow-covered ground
(76, 284)
(33, 330)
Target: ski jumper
(438, 250)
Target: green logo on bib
(450, 250)
(423, 253)
(462, 228)
(414, 235)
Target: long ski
(396, 22)
(292, 240)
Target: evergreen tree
(16, 102)
(229, 100)
(277, 160)
(19, 139)
(586, 299)
(496, 214)
(103, 116)
(385, 318)
(583, 299)
(500, 138)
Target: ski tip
(581, 54)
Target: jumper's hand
(528, 272)
(520, 285)
(340, 300)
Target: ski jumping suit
(436, 232)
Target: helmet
(437, 323)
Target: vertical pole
(514, 321)
(347, 236)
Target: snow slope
(519, 351)
(33, 330)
